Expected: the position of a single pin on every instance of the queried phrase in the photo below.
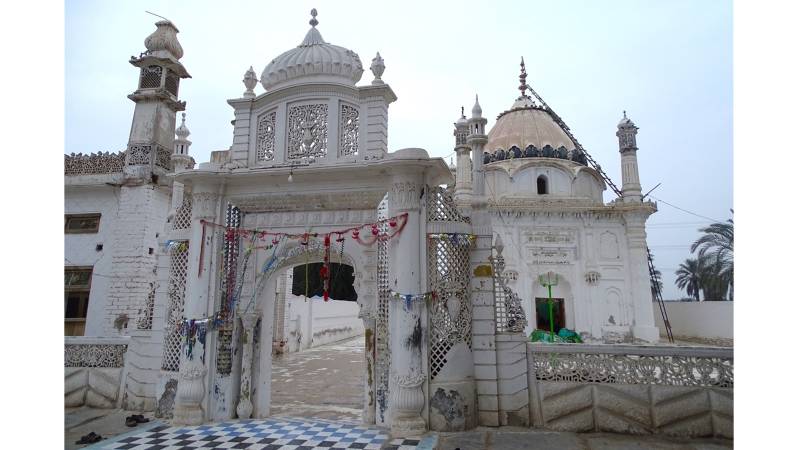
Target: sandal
(140, 418)
(90, 438)
(131, 421)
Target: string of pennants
(193, 330)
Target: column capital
(405, 194)
(204, 205)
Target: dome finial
(523, 75)
(313, 22)
(477, 111)
(462, 111)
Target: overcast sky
(668, 63)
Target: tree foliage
(711, 272)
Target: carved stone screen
(348, 130)
(307, 131)
(176, 290)
(265, 138)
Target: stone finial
(313, 22)
(523, 76)
(377, 68)
(250, 80)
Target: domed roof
(313, 60)
(526, 124)
(164, 40)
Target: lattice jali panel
(94, 163)
(145, 320)
(183, 215)
(307, 132)
(441, 207)
(150, 77)
(383, 357)
(176, 292)
(163, 157)
(94, 355)
(138, 155)
(451, 311)
(265, 137)
(667, 370)
(230, 255)
(509, 315)
(348, 130)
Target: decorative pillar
(193, 368)
(477, 139)
(644, 326)
(367, 282)
(463, 187)
(407, 329)
(245, 407)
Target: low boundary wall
(94, 368)
(708, 320)
(633, 389)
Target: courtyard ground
(317, 401)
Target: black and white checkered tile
(402, 444)
(263, 434)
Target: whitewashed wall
(698, 319)
(313, 322)
(80, 249)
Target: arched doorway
(278, 297)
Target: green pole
(550, 303)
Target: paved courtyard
(325, 382)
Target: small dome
(182, 132)
(164, 40)
(313, 59)
(526, 125)
(625, 122)
(477, 111)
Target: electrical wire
(685, 210)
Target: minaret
(463, 163)
(143, 196)
(151, 138)
(180, 155)
(626, 132)
(477, 139)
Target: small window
(77, 284)
(541, 185)
(150, 77)
(171, 82)
(81, 223)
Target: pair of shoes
(135, 419)
(90, 438)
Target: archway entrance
(318, 365)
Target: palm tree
(690, 277)
(717, 244)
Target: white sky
(668, 63)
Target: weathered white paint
(698, 319)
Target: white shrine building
(176, 274)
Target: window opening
(541, 185)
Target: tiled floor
(272, 434)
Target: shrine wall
(82, 249)
(589, 255)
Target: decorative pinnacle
(624, 114)
(313, 22)
(462, 111)
(523, 75)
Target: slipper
(95, 438)
(90, 438)
(131, 421)
(140, 418)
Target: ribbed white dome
(313, 60)
(526, 124)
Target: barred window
(171, 82)
(150, 77)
